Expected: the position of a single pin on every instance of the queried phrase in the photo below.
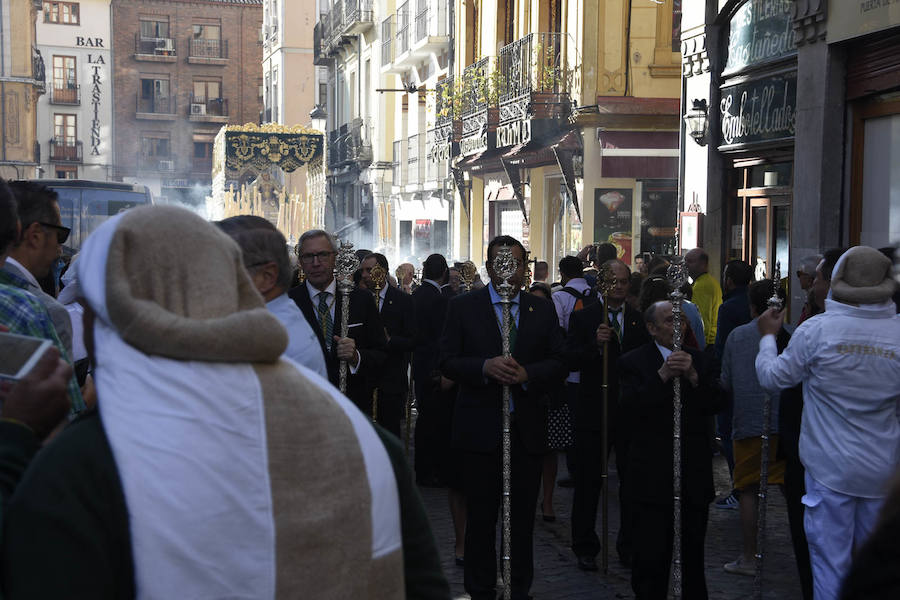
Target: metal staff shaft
(409, 399)
(676, 277)
(345, 330)
(506, 265)
(507, 458)
(607, 281)
(776, 303)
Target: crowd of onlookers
(186, 434)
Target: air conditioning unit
(167, 165)
(198, 108)
(165, 45)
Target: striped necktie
(326, 321)
(614, 321)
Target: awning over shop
(639, 154)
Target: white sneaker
(739, 567)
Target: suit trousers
(652, 557)
(426, 465)
(588, 485)
(390, 410)
(482, 474)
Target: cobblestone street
(558, 578)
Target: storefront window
(658, 214)
(771, 175)
(881, 182)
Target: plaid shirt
(24, 314)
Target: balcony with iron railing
(335, 28)
(155, 108)
(350, 145)
(209, 110)
(321, 31)
(415, 153)
(358, 16)
(535, 77)
(430, 34)
(65, 150)
(153, 49)
(387, 43)
(402, 29)
(475, 98)
(207, 52)
(159, 163)
(66, 94)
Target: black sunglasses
(62, 233)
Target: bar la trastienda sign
(761, 31)
(763, 110)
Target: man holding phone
(21, 312)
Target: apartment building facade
(290, 85)
(382, 61)
(182, 69)
(563, 123)
(793, 143)
(22, 82)
(75, 115)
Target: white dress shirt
(303, 344)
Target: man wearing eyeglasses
(38, 247)
(365, 347)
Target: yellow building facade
(564, 125)
(22, 81)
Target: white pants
(835, 524)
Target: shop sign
(761, 31)
(473, 144)
(514, 133)
(849, 19)
(440, 152)
(759, 111)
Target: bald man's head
(697, 262)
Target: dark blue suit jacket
(471, 336)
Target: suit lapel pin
(530, 309)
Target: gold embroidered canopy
(256, 149)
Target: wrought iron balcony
(431, 27)
(65, 150)
(69, 94)
(350, 145)
(155, 107)
(158, 163)
(476, 98)
(207, 51)
(415, 153)
(403, 28)
(387, 41)
(358, 16)
(320, 40)
(534, 71)
(213, 110)
(154, 49)
(397, 170)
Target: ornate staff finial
(775, 301)
(606, 280)
(467, 272)
(505, 265)
(346, 264)
(379, 277)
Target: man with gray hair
(265, 254)
(365, 347)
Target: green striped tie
(326, 322)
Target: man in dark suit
(430, 305)
(365, 346)
(396, 309)
(646, 376)
(584, 348)
(471, 355)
